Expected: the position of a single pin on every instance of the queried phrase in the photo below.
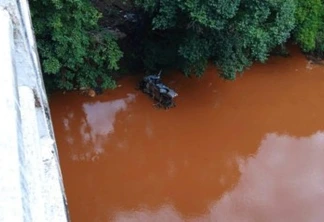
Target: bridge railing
(31, 184)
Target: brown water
(249, 150)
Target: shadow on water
(230, 151)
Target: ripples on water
(249, 150)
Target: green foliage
(73, 50)
(309, 20)
(211, 14)
(195, 50)
(184, 34)
(320, 40)
(234, 33)
(256, 29)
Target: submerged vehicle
(153, 86)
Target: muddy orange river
(250, 150)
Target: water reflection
(283, 181)
(100, 116)
(97, 123)
(182, 163)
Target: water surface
(248, 150)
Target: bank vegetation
(85, 43)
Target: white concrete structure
(31, 185)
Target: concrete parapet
(31, 184)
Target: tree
(233, 34)
(309, 20)
(74, 51)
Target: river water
(247, 150)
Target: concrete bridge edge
(31, 183)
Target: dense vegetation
(309, 31)
(78, 50)
(74, 50)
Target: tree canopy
(309, 24)
(231, 33)
(186, 34)
(74, 50)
